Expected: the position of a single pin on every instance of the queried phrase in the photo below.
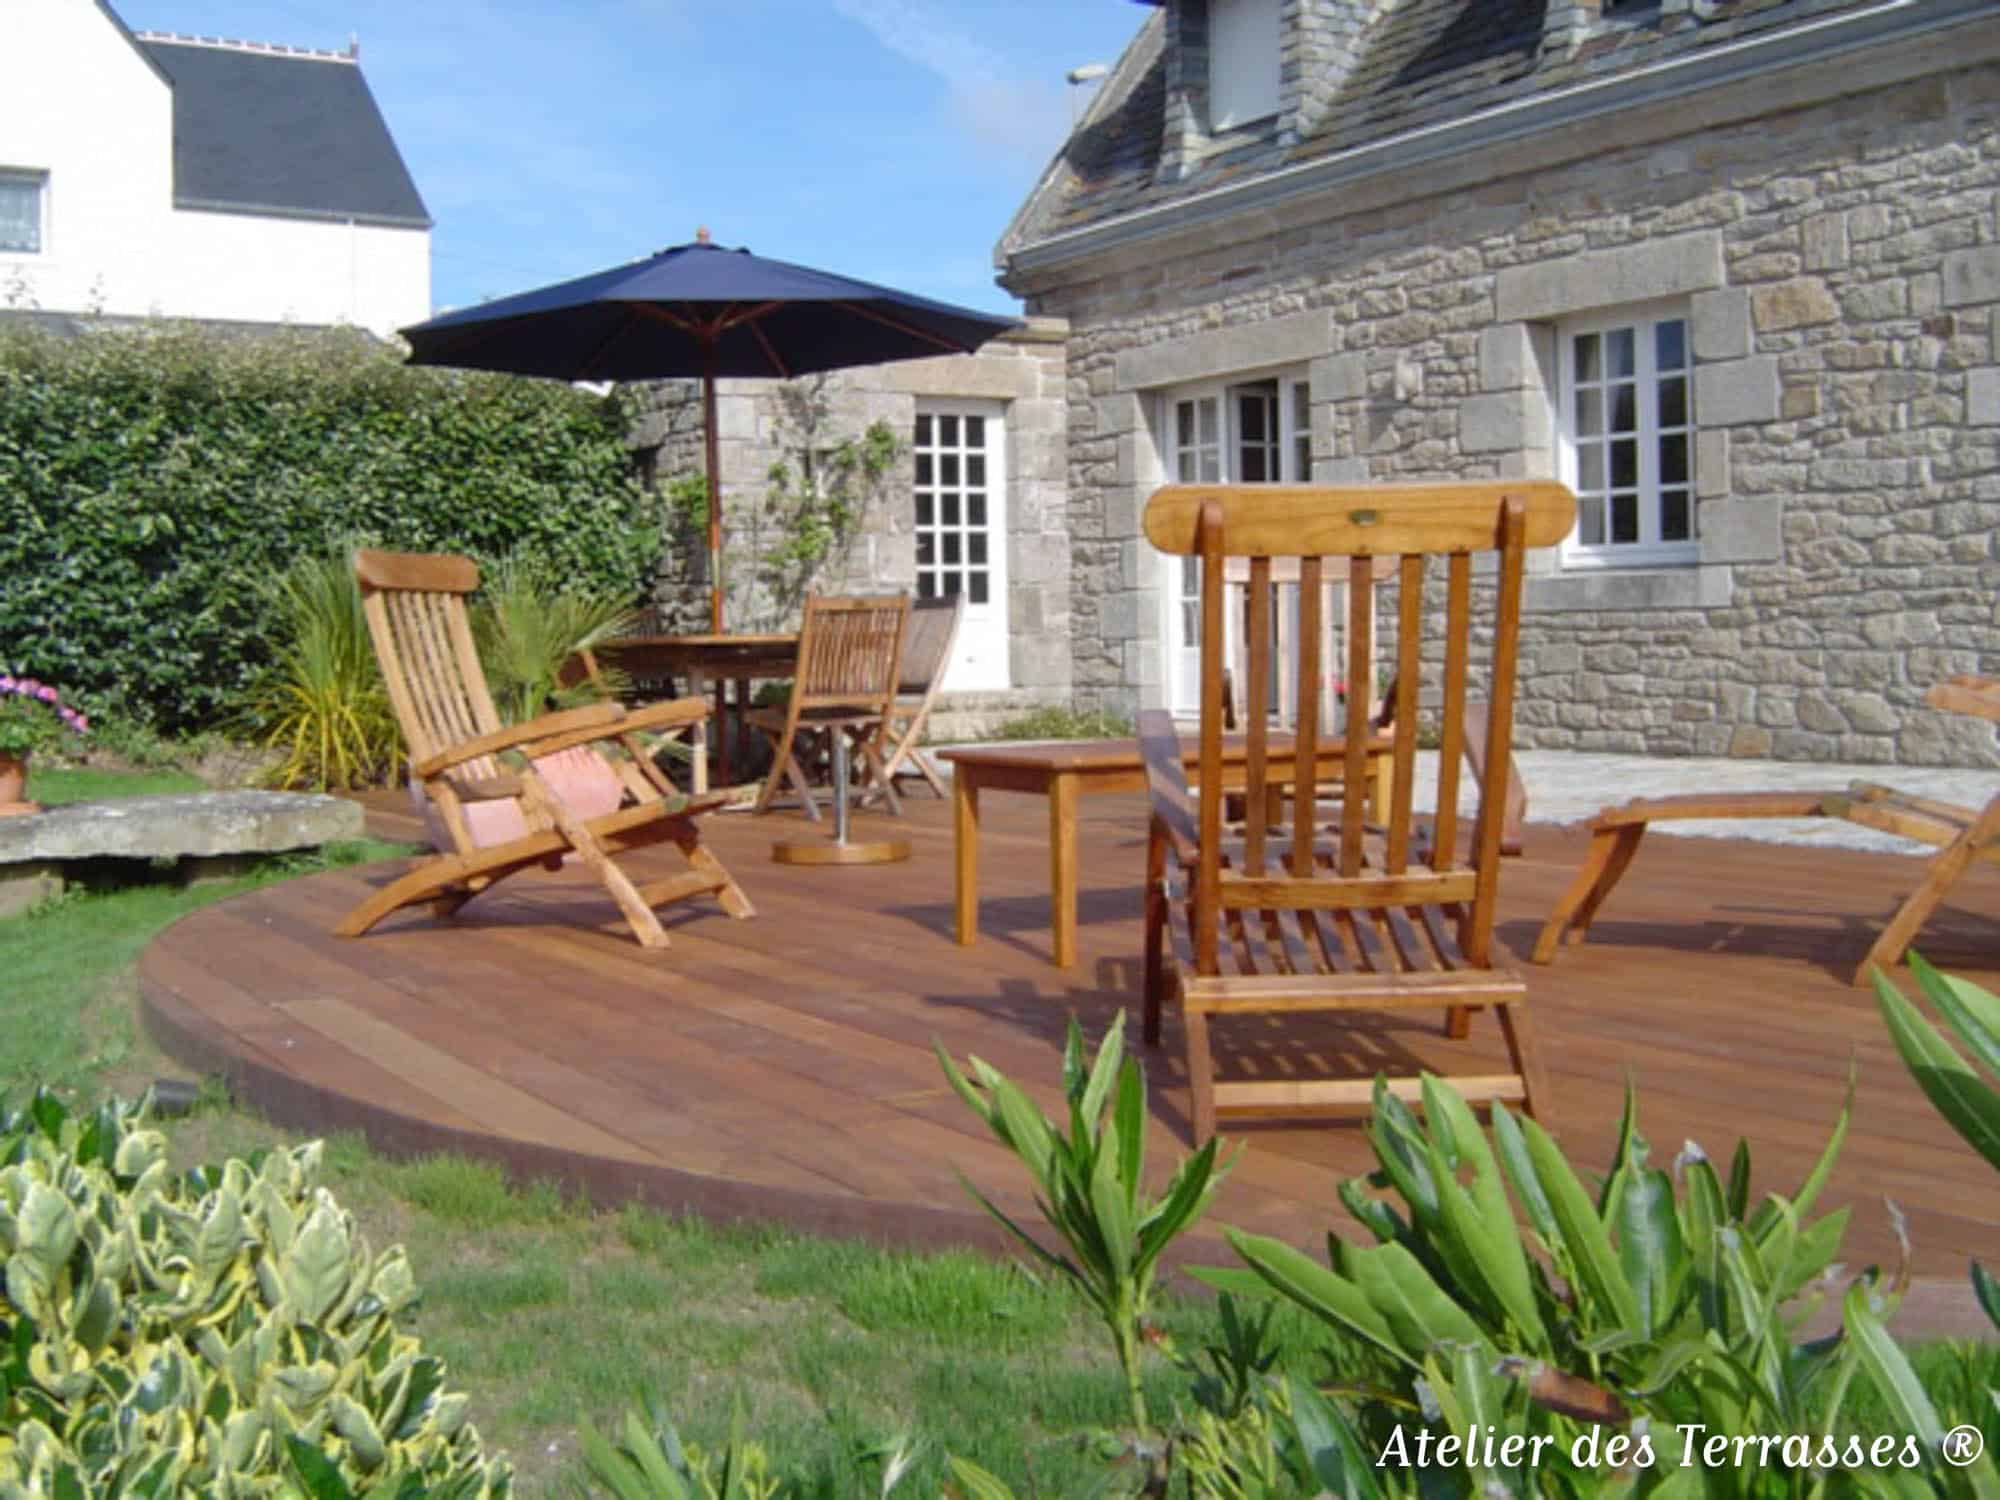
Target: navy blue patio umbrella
(700, 310)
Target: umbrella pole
(714, 491)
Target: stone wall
(1840, 265)
(759, 424)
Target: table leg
(965, 854)
(1062, 867)
(1379, 788)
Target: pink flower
(46, 694)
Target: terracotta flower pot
(13, 783)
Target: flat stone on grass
(213, 833)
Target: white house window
(1243, 61)
(1248, 432)
(21, 212)
(1628, 431)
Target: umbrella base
(839, 852)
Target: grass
(55, 785)
(547, 1309)
(1058, 722)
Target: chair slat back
(1280, 594)
(927, 642)
(850, 652)
(416, 612)
(1319, 536)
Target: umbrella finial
(701, 235)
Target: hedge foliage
(149, 479)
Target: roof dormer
(1237, 68)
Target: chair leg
(929, 772)
(536, 801)
(1939, 876)
(701, 857)
(878, 771)
(1458, 1022)
(1201, 1072)
(1611, 851)
(1519, 1030)
(1156, 924)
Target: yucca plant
(321, 705)
(529, 627)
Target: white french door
(960, 493)
(1251, 432)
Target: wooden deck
(781, 1067)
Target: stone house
(972, 502)
(1728, 267)
(154, 175)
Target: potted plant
(32, 717)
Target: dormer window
(1243, 61)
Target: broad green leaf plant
(1089, 1183)
(1642, 1308)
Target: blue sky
(886, 139)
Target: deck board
(781, 1067)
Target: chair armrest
(603, 719)
(1166, 783)
(1967, 695)
(669, 713)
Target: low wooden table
(1063, 772)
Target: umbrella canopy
(700, 310)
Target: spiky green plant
(529, 628)
(321, 704)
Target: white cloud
(1019, 116)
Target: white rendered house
(144, 174)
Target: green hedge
(148, 480)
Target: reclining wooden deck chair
(415, 605)
(1962, 836)
(927, 647)
(850, 649)
(1342, 917)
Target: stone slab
(179, 825)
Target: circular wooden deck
(781, 1068)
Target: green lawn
(53, 785)
(546, 1310)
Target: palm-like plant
(529, 628)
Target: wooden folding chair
(1963, 836)
(416, 610)
(926, 653)
(1345, 917)
(850, 651)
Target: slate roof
(271, 131)
(1423, 63)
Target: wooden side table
(1063, 773)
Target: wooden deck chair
(416, 610)
(850, 652)
(926, 654)
(1962, 836)
(1342, 917)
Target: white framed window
(959, 459)
(1244, 49)
(1252, 431)
(21, 211)
(1627, 425)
